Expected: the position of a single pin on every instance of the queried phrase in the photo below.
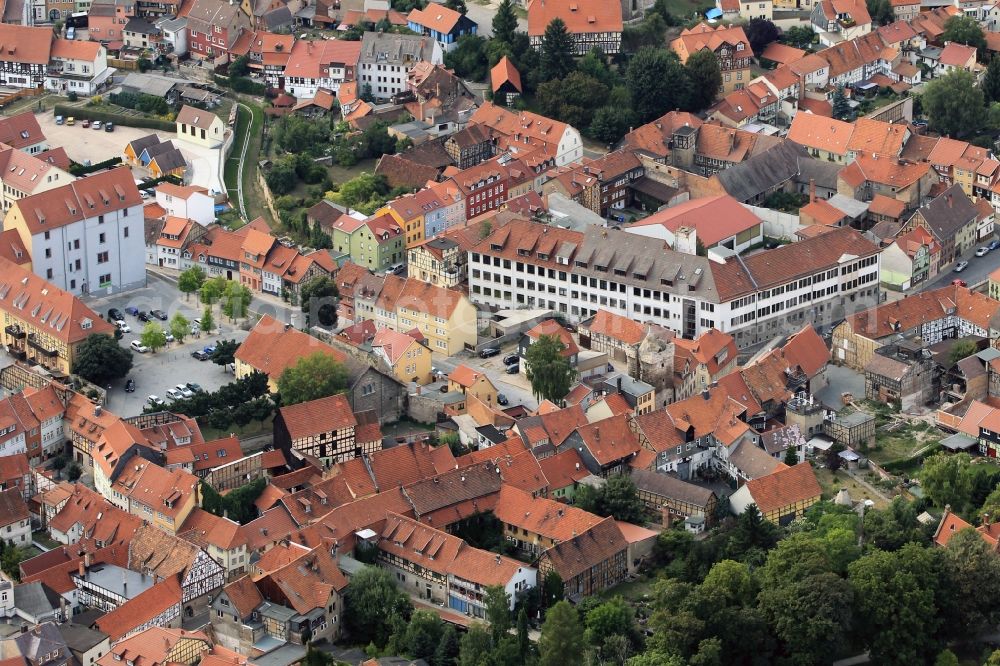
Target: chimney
(619, 382)
(81, 569)
(668, 518)
(498, 560)
(812, 190)
(97, 410)
(86, 560)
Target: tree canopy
(100, 359)
(954, 104)
(657, 82)
(319, 299)
(312, 377)
(556, 58)
(153, 336)
(548, 370)
(371, 602)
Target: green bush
(81, 170)
(116, 118)
(140, 102)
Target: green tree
(153, 336)
(971, 580)
(966, 30)
(179, 326)
(895, 612)
(620, 498)
(523, 640)
(447, 649)
(212, 290)
(961, 349)
(190, 280)
(841, 109)
(894, 526)
(468, 58)
(423, 634)
(760, 32)
(657, 82)
(549, 372)
(811, 616)
(100, 358)
(225, 352)
(552, 589)
(571, 99)
(207, 322)
(74, 472)
(371, 601)
(312, 377)
(556, 58)
(954, 104)
(561, 640)
(791, 456)
(498, 611)
(235, 300)
(611, 618)
(281, 176)
(706, 79)
(880, 11)
(595, 65)
(505, 22)
(947, 479)
(946, 658)
(319, 297)
(752, 537)
(475, 646)
(611, 123)
(58, 464)
(800, 36)
(991, 81)
(239, 67)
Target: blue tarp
(714, 13)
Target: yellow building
(408, 215)
(200, 127)
(43, 324)
(445, 317)
(781, 496)
(409, 360)
(464, 379)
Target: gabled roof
(505, 72)
(714, 218)
(273, 347)
(141, 609)
(580, 16)
(616, 326)
(784, 487)
(537, 515)
(315, 417)
(97, 194)
(821, 133)
(581, 553)
(910, 312)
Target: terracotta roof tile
(318, 416)
(545, 517)
(784, 487)
(272, 347)
(595, 545)
(141, 609)
(580, 16)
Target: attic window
(496, 247)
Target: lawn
(43, 538)
(253, 197)
(684, 8)
(903, 442)
(832, 482)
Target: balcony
(15, 332)
(34, 344)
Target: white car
(982, 252)
(139, 347)
(168, 336)
(184, 390)
(154, 401)
(122, 326)
(174, 394)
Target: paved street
(979, 268)
(516, 388)
(155, 373)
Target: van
(396, 269)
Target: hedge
(118, 119)
(82, 170)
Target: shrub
(116, 118)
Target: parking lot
(83, 144)
(172, 365)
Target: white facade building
(187, 201)
(77, 66)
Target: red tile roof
(272, 347)
(580, 16)
(318, 416)
(784, 487)
(141, 609)
(504, 72)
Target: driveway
(516, 388)
(155, 373)
(83, 144)
(483, 11)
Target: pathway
(242, 159)
(40, 546)
(869, 487)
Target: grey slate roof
(671, 487)
(762, 172)
(949, 212)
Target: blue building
(442, 24)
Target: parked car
(159, 314)
(174, 394)
(130, 386)
(71, 120)
(60, 120)
(132, 310)
(511, 358)
(994, 245)
(502, 399)
(86, 123)
(982, 252)
(513, 369)
(143, 316)
(210, 349)
(960, 283)
(139, 347)
(489, 351)
(109, 127)
(196, 322)
(168, 336)
(194, 388)
(114, 314)
(961, 266)
(96, 125)
(184, 390)
(122, 326)
(200, 355)
(155, 401)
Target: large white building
(86, 236)
(387, 58)
(77, 66)
(187, 201)
(754, 298)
